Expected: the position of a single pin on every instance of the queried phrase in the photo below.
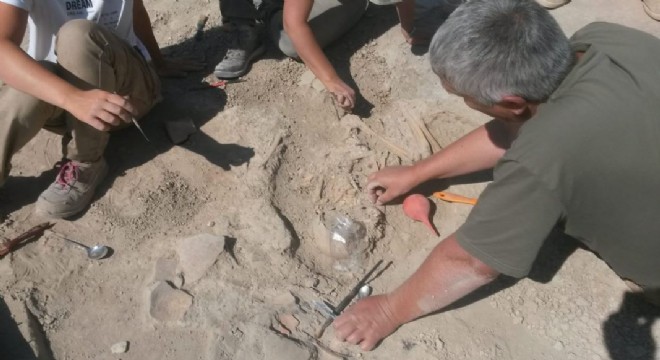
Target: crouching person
(91, 67)
(573, 120)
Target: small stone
(311, 282)
(119, 348)
(306, 78)
(168, 304)
(559, 346)
(178, 281)
(289, 321)
(439, 344)
(211, 224)
(281, 329)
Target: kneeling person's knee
(75, 38)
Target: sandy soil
(270, 164)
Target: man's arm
(476, 151)
(98, 108)
(447, 274)
(295, 15)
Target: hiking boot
(552, 4)
(73, 188)
(652, 8)
(245, 45)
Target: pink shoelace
(69, 172)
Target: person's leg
(21, 118)
(652, 8)
(244, 40)
(329, 19)
(90, 56)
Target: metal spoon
(364, 292)
(95, 252)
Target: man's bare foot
(366, 323)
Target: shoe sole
(70, 213)
(240, 72)
(654, 15)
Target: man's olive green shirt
(588, 161)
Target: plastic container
(347, 243)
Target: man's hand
(366, 323)
(343, 94)
(391, 182)
(177, 67)
(100, 109)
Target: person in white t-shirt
(91, 67)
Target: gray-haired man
(573, 121)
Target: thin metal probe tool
(140, 128)
(137, 125)
(347, 300)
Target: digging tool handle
(449, 197)
(347, 300)
(35, 231)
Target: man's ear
(515, 104)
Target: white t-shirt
(47, 16)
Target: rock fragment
(168, 304)
(197, 254)
(180, 130)
(289, 321)
(306, 78)
(119, 348)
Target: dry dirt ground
(270, 163)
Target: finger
(355, 338)
(385, 197)
(374, 190)
(368, 344)
(98, 124)
(117, 111)
(343, 331)
(340, 321)
(123, 102)
(374, 184)
(108, 118)
(351, 99)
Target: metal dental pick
(140, 128)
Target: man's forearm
(479, 150)
(295, 16)
(23, 73)
(447, 274)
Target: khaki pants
(89, 57)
